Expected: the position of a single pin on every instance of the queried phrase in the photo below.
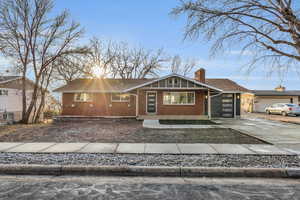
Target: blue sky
(147, 23)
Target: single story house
(171, 95)
(258, 100)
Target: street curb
(89, 170)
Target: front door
(227, 105)
(151, 102)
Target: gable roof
(5, 79)
(15, 82)
(226, 85)
(276, 93)
(126, 85)
(173, 75)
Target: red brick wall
(197, 109)
(100, 106)
(101, 101)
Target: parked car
(283, 109)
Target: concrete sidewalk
(149, 148)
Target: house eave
(88, 91)
(171, 75)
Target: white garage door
(263, 103)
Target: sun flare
(98, 71)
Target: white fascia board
(171, 75)
(234, 92)
(90, 91)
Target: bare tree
(183, 67)
(29, 35)
(69, 68)
(118, 60)
(137, 62)
(268, 29)
(99, 59)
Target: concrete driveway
(281, 134)
(289, 119)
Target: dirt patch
(87, 131)
(203, 135)
(119, 131)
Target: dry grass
(8, 129)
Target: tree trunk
(24, 106)
(32, 102)
(40, 108)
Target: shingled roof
(101, 85)
(226, 85)
(119, 85)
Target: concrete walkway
(146, 148)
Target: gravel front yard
(203, 160)
(119, 131)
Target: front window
(4, 92)
(83, 97)
(118, 97)
(179, 98)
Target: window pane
(167, 98)
(191, 97)
(77, 97)
(183, 83)
(176, 82)
(83, 97)
(120, 97)
(115, 97)
(179, 98)
(124, 97)
(162, 83)
(88, 97)
(170, 82)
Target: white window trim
(75, 100)
(186, 104)
(119, 101)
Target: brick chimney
(280, 88)
(200, 75)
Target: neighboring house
(258, 100)
(11, 96)
(170, 95)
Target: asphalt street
(66, 187)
